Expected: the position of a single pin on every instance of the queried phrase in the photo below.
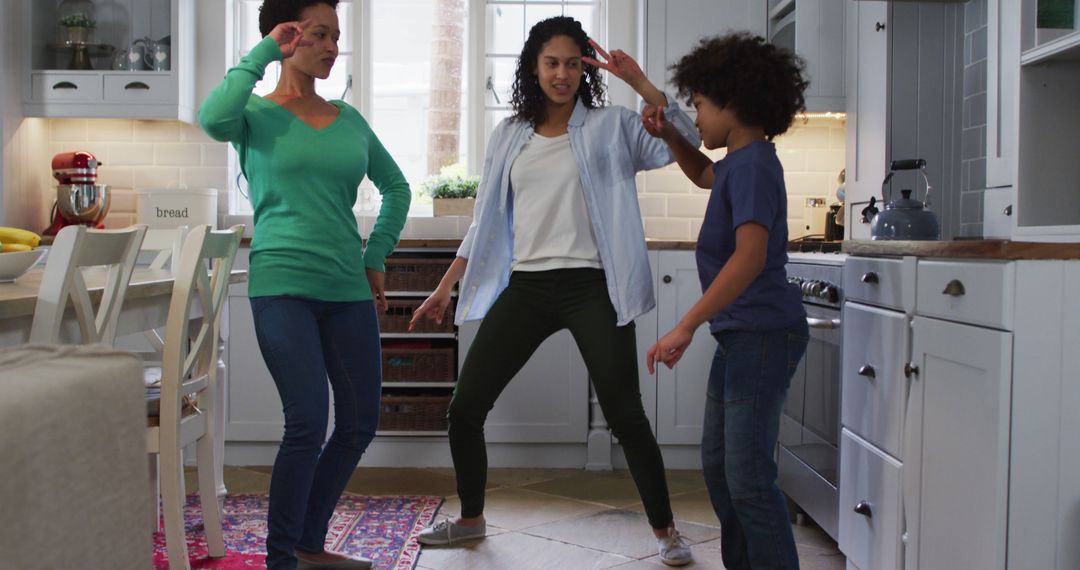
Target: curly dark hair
(274, 12)
(528, 99)
(762, 83)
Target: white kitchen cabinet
(961, 381)
(870, 510)
(680, 392)
(814, 29)
(867, 104)
(1002, 91)
(253, 408)
(547, 401)
(674, 27)
(54, 90)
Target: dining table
(145, 308)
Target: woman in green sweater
(314, 288)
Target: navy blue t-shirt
(748, 186)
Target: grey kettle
(905, 218)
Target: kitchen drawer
(975, 292)
(145, 87)
(876, 346)
(870, 514)
(879, 281)
(65, 87)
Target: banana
(18, 236)
(10, 247)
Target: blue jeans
(304, 342)
(748, 382)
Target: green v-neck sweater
(303, 185)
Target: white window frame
(362, 86)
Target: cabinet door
(646, 330)
(680, 392)
(673, 28)
(867, 107)
(548, 400)
(253, 411)
(961, 395)
(819, 40)
(1002, 91)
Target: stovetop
(814, 245)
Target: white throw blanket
(74, 481)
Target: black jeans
(534, 306)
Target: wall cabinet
(867, 104)
(955, 386)
(814, 29)
(79, 79)
(674, 27)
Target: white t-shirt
(551, 221)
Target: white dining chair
(188, 383)
(74, 249)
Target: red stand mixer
(79, 199)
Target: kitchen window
(433, 77)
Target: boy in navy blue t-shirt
(746, 92)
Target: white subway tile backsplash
(805, 137)
(810, 183)
(824, 160)
(117, 176)
(653, 206)
(177, 154)
(157, 177)
(667, 182)
(687, 206)
(215, 154)
(131, 154)
(206, 177)
(695, 229)
(63, 130)
(157, 131)
(193, 134)
(116, 220)
(111, 130)
(792, 159)
(667, 228)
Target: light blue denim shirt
(610, 146)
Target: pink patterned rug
(383, 529)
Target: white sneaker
(448, 532)
(674, 549)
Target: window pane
(502, 80)
(345, 16)
(585, 15)
(418, 86)
(505, 34)
(269, 80)
(249, 25)
(534, 14)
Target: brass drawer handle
(869, 277)
(137, 85)
(65, 85)
(954, 289)
(868, 371)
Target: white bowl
(14, 264)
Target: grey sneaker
(674, 550)
(448, 532)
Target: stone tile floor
(558, 518)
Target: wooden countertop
(970, 249)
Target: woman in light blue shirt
(557, 243)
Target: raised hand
(652, 118)
(618, 63)
(289, 36)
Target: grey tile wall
(973, 139)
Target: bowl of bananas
(18, 253)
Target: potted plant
(452, 192)
(78, 27)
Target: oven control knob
(815, 288)
(831, 294)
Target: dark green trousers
(533, 307)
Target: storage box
(174, 207)
(414, 273)
(414, 413)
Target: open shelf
(1065, 48)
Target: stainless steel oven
(808, 452)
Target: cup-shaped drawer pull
(954, 289)
(863, 508)
(869, 277)
(868, 371)
(65, 85)
(137, 85)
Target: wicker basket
(417, 364)
(399, 313)
(414, 273)
(414, 413)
